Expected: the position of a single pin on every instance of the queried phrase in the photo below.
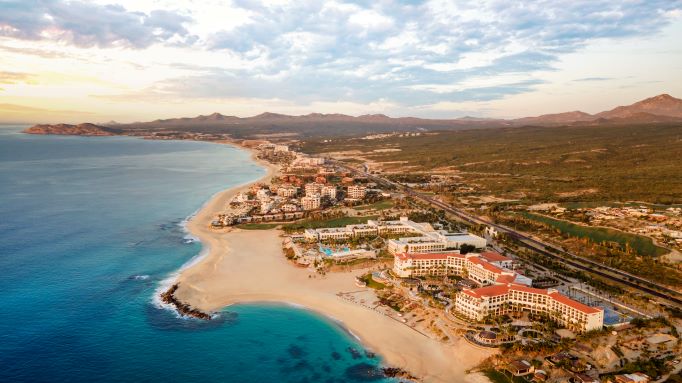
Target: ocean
(90, 227)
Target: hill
(661, 105)
(85, 129)
(655, 110)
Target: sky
(139, 60)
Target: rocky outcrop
(85, 129)
(395, 372)
(183, 308)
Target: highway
(578, 262)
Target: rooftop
(492, 256)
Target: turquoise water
(328, 251)
(88, 229)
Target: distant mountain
(660, 109)
(661, 105)
(556, 118)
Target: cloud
(421, 52)
(15, 77)
(593, 79)
(86, 24)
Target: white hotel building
(485, 268)
(356, 192)
(311, 202)
(428, 239)
(500, 299)
(503, 289)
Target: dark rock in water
(364, 372)
(370, 354)
(296, 351)
(183, 308)
(354, 353)
(326, 368)
(395, 372)
(336, 355)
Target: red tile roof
(485, 265)
(575, 304)
(496, 290)
(488, 291)
(505, 278)
(492, 256)
(405, 256)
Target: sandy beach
(249, 266)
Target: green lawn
(257, 226)
(381, 205)
(371, 283)
(499, 377)
(642, 245)
(332, 222)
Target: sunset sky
(75, 61)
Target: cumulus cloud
(407, 52)
(87, 24)
(422, 52)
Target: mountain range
(659, 109)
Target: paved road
(544, 248)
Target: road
(544, 248)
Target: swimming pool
(328, 251)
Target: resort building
(287, 191)
(356, 192)
(501, 299)
(310, 202)
(426, 239)
(281, 148)
(497, 259)
(328, 191)
(332, 233)
(313, 188)
(472, 265)
(433, 242)
(637, 377)
(304, 161)
(262, 194)
(289, 207)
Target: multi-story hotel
(328, 191)
(434, 242)
(485, 268)
(313, 188)
(501, 299)
(356, 192)
(310, 202)
(503, 289)
(287, 191)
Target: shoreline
(164, 295)
(247, 266)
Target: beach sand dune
(249, 266)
